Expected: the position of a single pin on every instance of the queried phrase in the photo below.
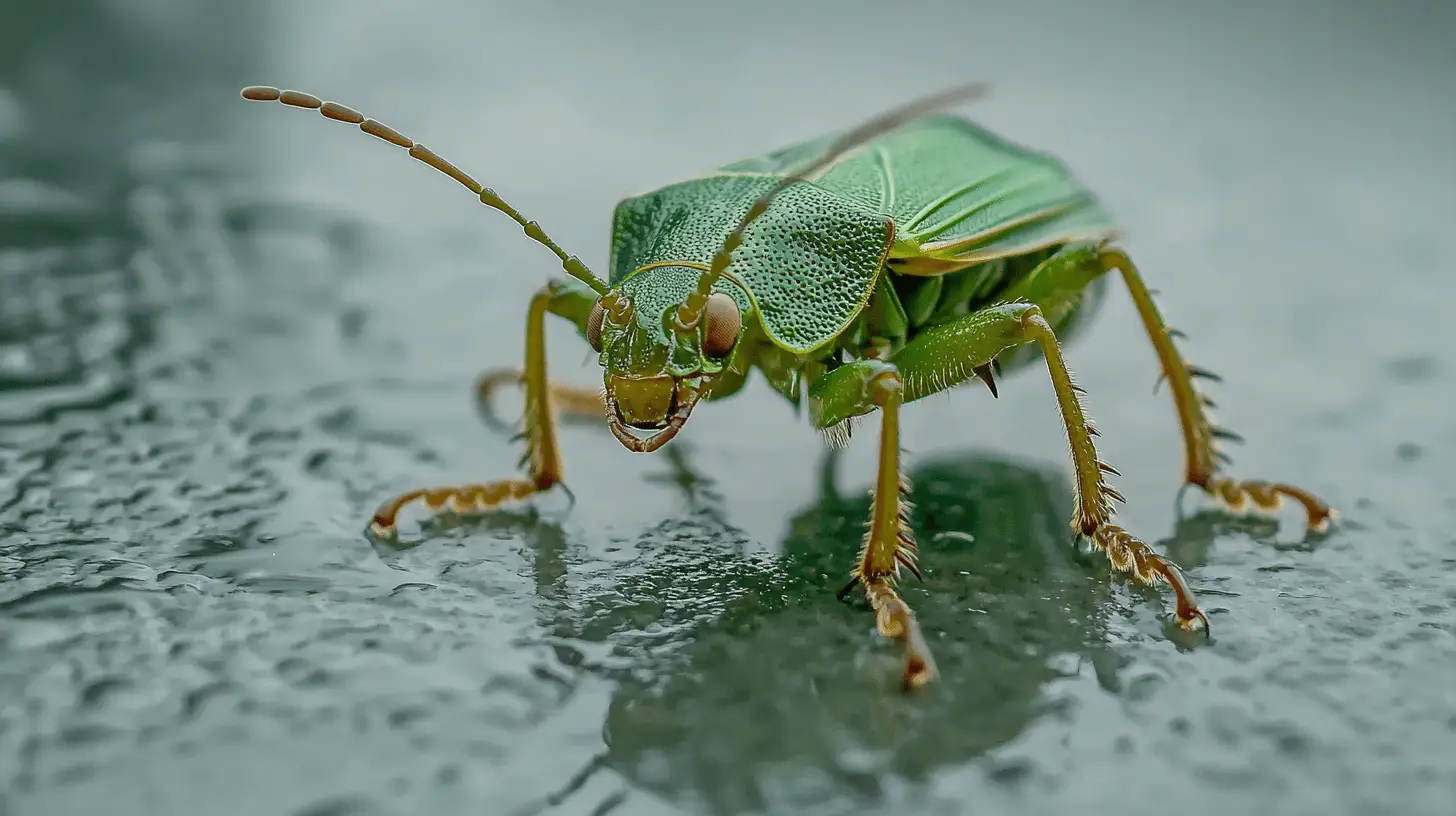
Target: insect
(856, 272)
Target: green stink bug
(856, 272)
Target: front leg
(570, 400)
(889, 543)
(944, 356)
(574, 305)
(543, 456)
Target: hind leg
(942, 357)
(1200, 435)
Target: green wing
(956, 191)
(808, 263)
(938, 189)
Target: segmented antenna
(691, 310)
(570, 263)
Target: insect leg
(951, 353)
(543, 456)
(1201, 436)
(889, 543)
(1094, 509)
(573, 400)
(574, 305)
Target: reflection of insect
(856, 272)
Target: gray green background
(228, 330)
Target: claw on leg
(543, 457)
(473, 498)
(1132, 555)
(1094, 506)
(889, 543)
(1237, 495)
(1201, 436)
(894, 619)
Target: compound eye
(720, 332)
(594, 326)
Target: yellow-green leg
(942, 357)
(1200, 435)
(889, 543)
(1093, 511)
(572, 400)
(543, 454)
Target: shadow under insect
(752, 675)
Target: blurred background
(228, 330)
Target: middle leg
(1057, 286)
(951, 353)
(1094, 509)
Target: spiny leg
(889, 543)
(949, 354)
(1200, 436)
(543, 456)
(1094, 510)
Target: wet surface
(228, 330)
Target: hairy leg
(949, 354)
(543, 456)
(889, 543)
(1200, 435)
(1094, 508)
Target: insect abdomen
(931, 300)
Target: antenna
(691, 310)
(332, 110)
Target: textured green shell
(955, 190)
(939, 188)
(808, 263)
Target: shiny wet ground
(226, 331)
